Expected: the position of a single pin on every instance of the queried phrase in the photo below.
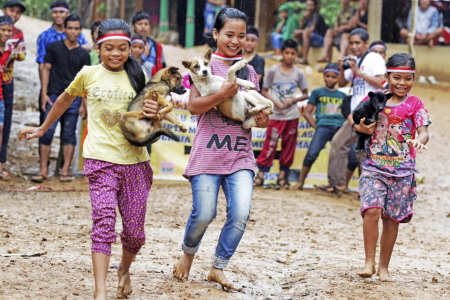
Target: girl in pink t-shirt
(387, 184)
(221, 155)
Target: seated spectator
(361, 17)
(249, 53)
(312, 29)
(339, 36)
(426, 23)
(378, 47)
(285, 28)
(212, 8)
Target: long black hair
(401, 59)
(131, 66)
(221, 19)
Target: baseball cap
(11, 3)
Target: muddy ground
(298, 245)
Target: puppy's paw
(248, 85)
(182, 127)
(256, 109)
(241, 64)
(268, 111)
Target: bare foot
(297, 186)
(217, 275)
(368, 271)
(385, 276)
(124, 285)
(183, 267)
(100, 295)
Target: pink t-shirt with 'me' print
(221, 145)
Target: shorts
(2, 112)
(316, 40)
(395, 195)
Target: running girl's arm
(60, 106)
(421, 140)
(199, 105)
(308, 115)
(361, 127)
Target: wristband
(353, 127)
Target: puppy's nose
(205, 72)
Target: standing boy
(280, 86)
(60, 10)
(16, 47)
(249, 53)
(153, 50)
(63, 60)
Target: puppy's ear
(389, 96)
(186, 64)
(371, 94)
(208, 54)
(173, 69)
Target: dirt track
(297, 244)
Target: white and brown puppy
(237, 107)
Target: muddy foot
(367, 272)
(124, 286)
(217, 275)
(385, 276)
(183, 267)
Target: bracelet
(353, 127)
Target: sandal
(4, 176)
(283, 183)
(258, 181)
(65, 178)
(38, 178)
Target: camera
(346, 65)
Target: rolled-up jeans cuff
(218, 262)
(189, 250)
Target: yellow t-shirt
(108, 96)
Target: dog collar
(224, 57)
(60, 8)
(400, 70)
(114, 36)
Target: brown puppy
(139, 130)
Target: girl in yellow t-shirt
(119, 173)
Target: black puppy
(368, 109)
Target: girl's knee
(373, 213)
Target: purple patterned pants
(125, 186)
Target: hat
(11, 3)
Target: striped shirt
(221, 145)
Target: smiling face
(395, 129)
(231, 38)
(142, 27)
(250, 44)
(330, 79)
(5, 32)
(114, 53)
(357, 46)
(73, 30)
(400, 83)
(15, 12)
(58, 16)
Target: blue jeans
(316, 40)
(276, 40)
(322, 135)
(8, 97)
(69, 120)
(238, 189)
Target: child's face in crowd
(5, 32)
(357, 46)
(400, 83)
(73, 30)
(231, 38)
(330, 79)
(289, 55)
(15, 12)
(137, 49)
(250, 44)
(58, 16)
(283, 14)
(95, 36)
(114, 53)
(142, 27)
(379, 50)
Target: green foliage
(329, 10)
(41, 8)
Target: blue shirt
(49, 36)
(426, 21)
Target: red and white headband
(60, 8)
(140, 41)
(253, 35)
(224, 57)
(400, 70)
(114, 36)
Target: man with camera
(365, 70)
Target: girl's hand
(229, 89)
(262, 119)
(150, 109)
(31, 133)
(363, 128)
(416, 144)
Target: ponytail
(132, 67)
